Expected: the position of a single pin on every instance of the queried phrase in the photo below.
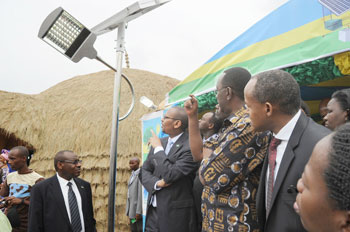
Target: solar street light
(71, 38)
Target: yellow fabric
(342, 60)
(28, 179)
(265, 47)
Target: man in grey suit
(273, 100)
(134, 197)
(168, 175)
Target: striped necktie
(74, 210)
(272, 163)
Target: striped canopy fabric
(295, 33)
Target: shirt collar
(286, 131)
(174, 139)
(233, 117)
(63, 181)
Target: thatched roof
(76, 115)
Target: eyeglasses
(75, 162)
(166, 117)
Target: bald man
(64, 201)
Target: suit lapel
(82, 192)
(260, 201)
(57, 192)
(177, 145)
(289, 155)
(164, 142)
(135, 176)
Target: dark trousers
(152, 220)
(136, 226)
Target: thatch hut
(76, 115)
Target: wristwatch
(22, 202)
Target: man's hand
(154, 141)
(161, 184)
(138, 217)
(13, 201)
(191, 106)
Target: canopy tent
(300, 37)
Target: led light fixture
(148, 102)
(68, 36)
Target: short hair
(216, 121)
(58, 155)
(23, 151)
(337, 173)
(280, 88)
(136, 159)
(236, 78)
(343, 98)
(182, 116)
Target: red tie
(272, 163)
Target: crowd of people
(32, 203)
(246, 161)
(258, 163)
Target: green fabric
(315, 71)
(309, 73)
(206, 101)
(308, 49)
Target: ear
(345, 227)
(59, 165)
(229, 93)
(177, 124)
(347, 115)
(211, 126)
(268, 109)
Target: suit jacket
(47, 210)
(175, 205)
(134, 198)
(282, 217)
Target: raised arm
(195, 138)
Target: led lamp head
(67, 35)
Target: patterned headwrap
(5, 154)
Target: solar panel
(337, 7)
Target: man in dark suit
(168, 175)
(64, 201)
(273, 100)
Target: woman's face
(336, 116)
(312, 203)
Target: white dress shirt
(64, 187)
(157, 149)
(283, 135)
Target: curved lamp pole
(67, 35)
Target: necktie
(168, 147)
(74, 211)
(272, 163)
